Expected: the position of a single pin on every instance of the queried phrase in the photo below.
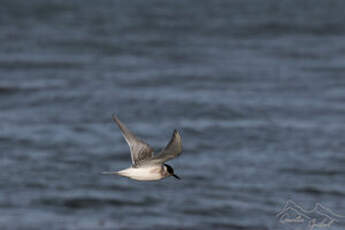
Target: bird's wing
(172, 150)
(140, 151)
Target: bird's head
(170, 171)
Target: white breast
(143, 174)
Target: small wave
(36, 185)
(7, 90)
(30, 86)
(318, 191)
(91, 202)
(330, 172)
(325, 69)
(271, 28)
(15, 65)
(233, 226)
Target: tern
(145, 165)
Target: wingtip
(176, 133)
(114, 116)
(176, 137)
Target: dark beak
(176, 177)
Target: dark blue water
(257, 89)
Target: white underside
(142, 174)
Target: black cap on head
(171, 171)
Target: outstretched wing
(140, 151)
(172, 150)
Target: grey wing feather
(172, 150)
(140, 151)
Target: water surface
(256, 88)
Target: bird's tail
(110, 173)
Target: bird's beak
(176, 177)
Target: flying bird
(145, 165)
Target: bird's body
(154, 172)
(146, 166)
